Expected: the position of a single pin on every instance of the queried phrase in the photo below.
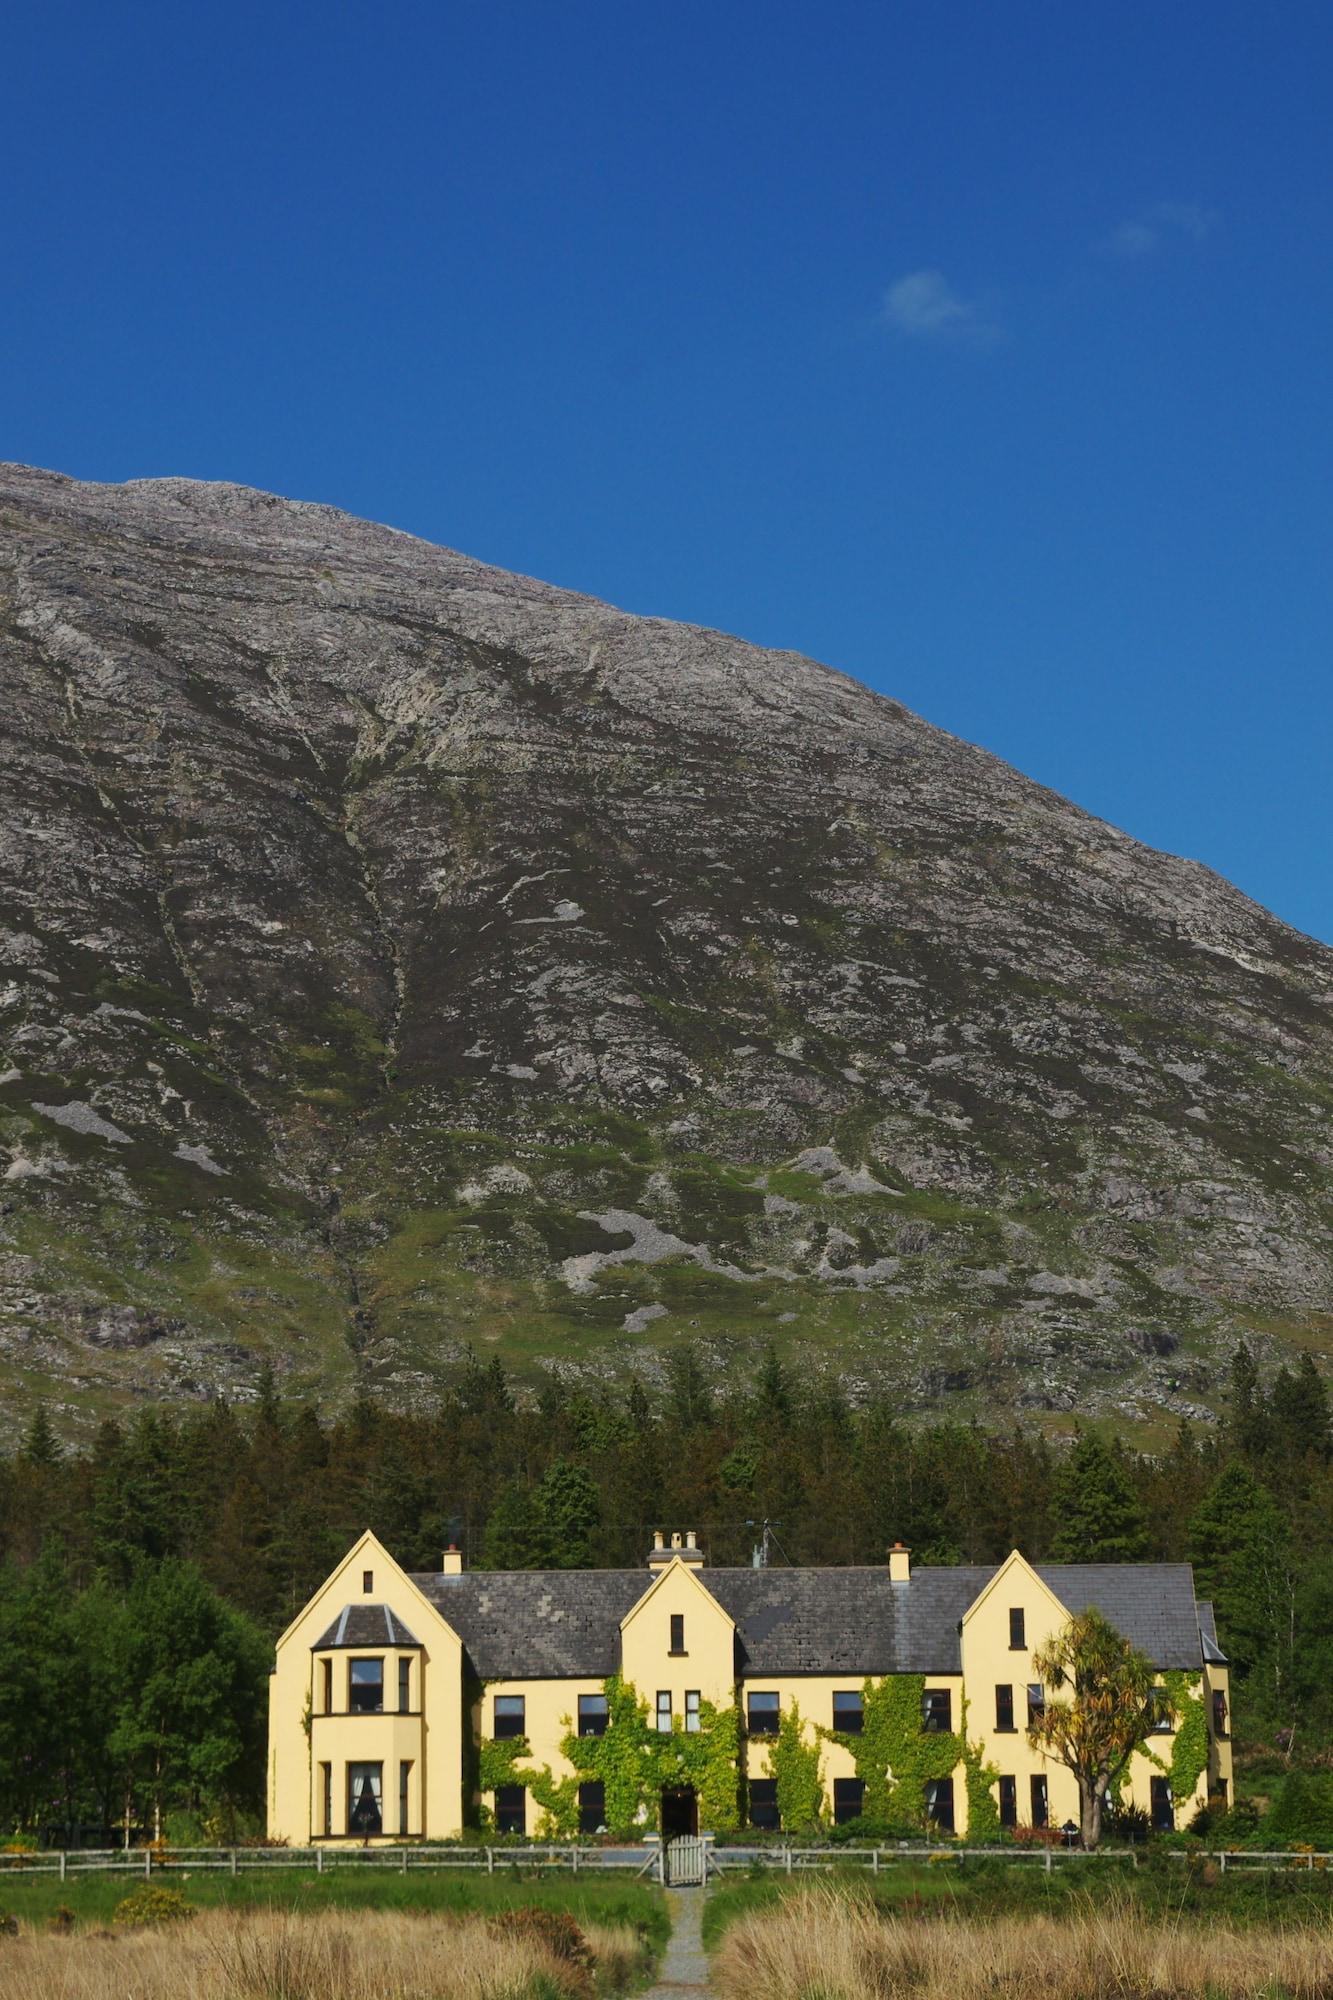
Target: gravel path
(685, 1966)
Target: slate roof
(365, 1625)
(565, 1624)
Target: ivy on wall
(983, 1809)
(894, 1756)
(633, 1761)
(1189, 1752)
(795, 1767)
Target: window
(848, 1796)
(1163, 1811)
(664, 1710)
(939, 1803)
(937, 1711)
(1017, 1631)
(848, 1715)
(1008, 1802)
(326, 1686)
(1161, 1722)
(677, 1632)
(1036, 1702)
(367, 1581)
(1219, 1713)
(593, 1715)
(1004, 1708)
(510, 1716)
(764, 1803)
(365, 1687)
(404, 1687)
(592, 1806)
(365, 1802)
(511, 1809)
(1220, 1793)
(1040, 1810)
(404, 1781)
(326, 1799)
(762, 1714)
(692, 1712)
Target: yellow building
(678, 1698)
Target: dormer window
(677, 1632)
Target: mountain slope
(399, 953)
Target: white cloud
(1158, 226)
(925, 303)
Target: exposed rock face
(395, 953)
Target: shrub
(1302, 1813)
(151, 1905)
(558, 1934)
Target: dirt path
(685, 1966)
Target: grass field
(36, 1899)
(823, 1943)
(228, 1954)
(1159, 1890)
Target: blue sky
(981, 350)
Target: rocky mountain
(397, 954)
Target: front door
(680, 1811)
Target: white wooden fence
(641, 1860)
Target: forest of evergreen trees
(143, 1579)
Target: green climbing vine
(1189, 1752)
(983, 1810)
(894, 1756)
(632, 1761)
(794, 1764)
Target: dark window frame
(367, 1581)
(1220, 1721)
(693, 1712)
(326, 1686)
(1017, 1629)
(764, 1721)
(939, 1802)
(848, 1727)
(326, 1799)
(1162, 1806)
(362, 1707)
(677, 1647)
(365, 1832)
(404, 1783)
(763, 1813)
(1004, 1709)
(502, 1726)
(593, 1720)
(1036, 1693)
(849, 1798)
(405, 1685)
(1008, 1801)
(511, 1809)
(1161, 1721)
(592, 1811)
(1040, 1799)
(664, 1707)
(937, 1711)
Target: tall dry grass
(227, 1955)
(827, 1945)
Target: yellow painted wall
(988, 1661)
(709, 1662)
(302, 1737)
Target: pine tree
(517, 1536)
(40, 1444)
(571, 1510)
(1098, 1516)
(1247, 1418)
(1238, 1543)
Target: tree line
(144, 1576)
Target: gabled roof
(538, 1624)
(565, 1624)
(1212, 1652)
(365, 1625)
